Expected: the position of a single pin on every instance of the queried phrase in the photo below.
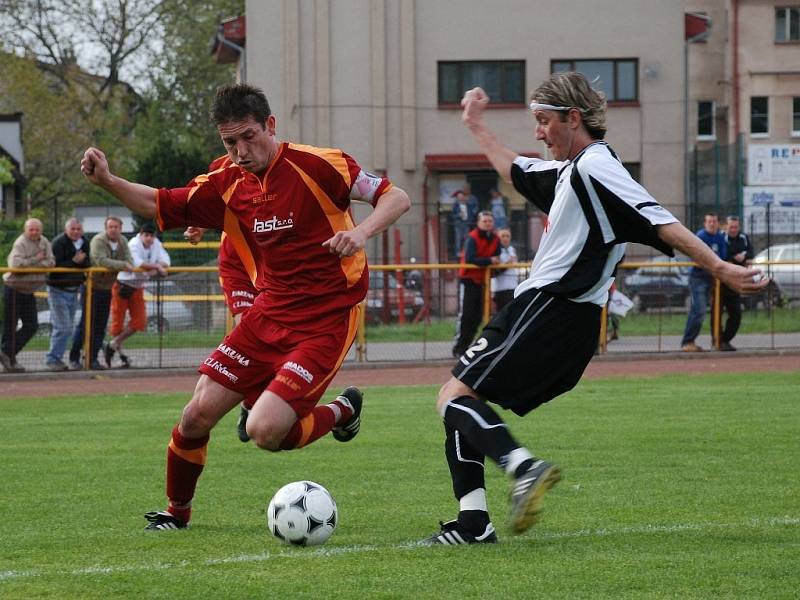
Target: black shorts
(533, 350)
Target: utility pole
(696, 29)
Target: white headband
(536, 106)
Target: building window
(787, 24)
(759, 115)
(617, 79)
(635, 169)
(503, 80)
(796, 116)
(705, 120)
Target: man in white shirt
(128, 294)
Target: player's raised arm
(140, 198)
(739, 279)
(474, 102)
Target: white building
(381, 79)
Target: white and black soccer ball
(302, 513)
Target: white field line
(297, 553)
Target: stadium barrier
(409, 314)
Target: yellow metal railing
(399, 269)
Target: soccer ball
(302, 513)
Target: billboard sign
(770, 164)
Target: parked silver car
(785, 277)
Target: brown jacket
(103, 255)
(24, 254)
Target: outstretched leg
(186, 453)
(474, 431)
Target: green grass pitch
(674, 487)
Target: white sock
(514, 459)
(475, 500)
(337, 411)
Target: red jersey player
(285, 209)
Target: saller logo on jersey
(272, 224)
(301, 371)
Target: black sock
(466, 463)
(480, 427)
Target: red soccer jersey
(277, 225)
(240, 293)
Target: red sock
(186, 458)
(316, 424)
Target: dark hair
(733, 218)
(237, 102)
(147, 227)
(711, 214)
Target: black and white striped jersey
(593, 208)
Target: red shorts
(261, 354)
(239, 294)
(134, 305)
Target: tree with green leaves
(132, 76)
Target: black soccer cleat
(528, 492)
(454, 534)
(241, 425)
(108, 354)
(126, 361)
(162, 520)
(349, 429)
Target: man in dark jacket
(71, 250)
(482, 248)
(740, 250)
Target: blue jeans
(63, 304)
(101, 305)
(699, 288)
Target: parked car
(175, 314)
(376, 313)
(785, 284)
(658, 287)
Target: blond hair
(572, 89)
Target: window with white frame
(617, 78)
(759, 116)
(705, 120)
(796, 116)
(787, 24)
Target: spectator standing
(31, 249)
(499, 208)
(740, 251)
(108, 249)
(71, 250)
(506, 281)
(465, 211)
(127, 294)
(482, 248)
(700, 282)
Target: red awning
(233, 30)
